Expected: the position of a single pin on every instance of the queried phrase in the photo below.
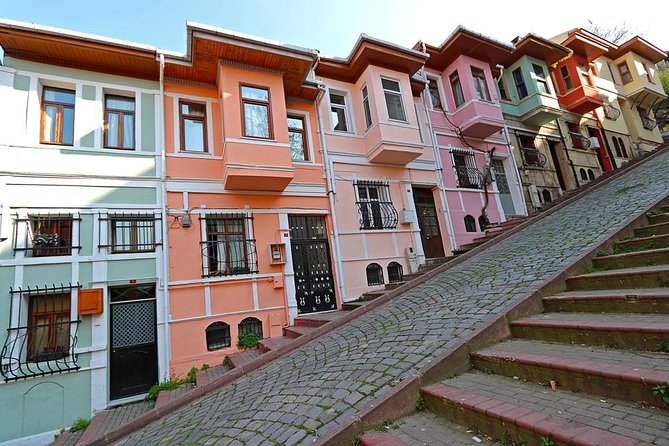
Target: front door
(133, 362)
(314, 283)
(428, 222)
(503, 187)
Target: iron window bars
(579, 141)
(250, 325)
(130, 232)
(46, 235)
(374, 274)
(533, 157)
(469, 177)
(375, 207)
(611, 112)
(42, 336)
(227, 250)
(218, 336)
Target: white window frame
(347, 110)
(482, 83)
(364, 93)
(396, 93)
(437, 81)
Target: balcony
(611, 112)
(533, 157)
(392, 144)
(538, 109)
(579, 141)
(257, 166)
(478, 119)
(648, 124)
(377, 215)
(469, 177)
(582, 99)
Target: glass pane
(193, 109)
(256, 120)
(295, 123)
(362, 192)
(368, 113)
(337, 99)
(390, 85)
(296, 146)
(339, 119)
(235, 226)
(112, 129)
(395, 108)
(118, 103)
(62, 96)
(193, 135)
(68, 126)
(129, 131)
(49, 133)
(260, 94)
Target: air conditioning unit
(594, 142)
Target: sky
(334, 26)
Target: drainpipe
(439, 170)
(163, 187)
(564, 144)
(329, 175)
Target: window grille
(46, 235)
(374, 274)
(375, 207)
(395, 273)
(42, 336)
(218, 336)
(228, 250)
(467, 174)
(250, 325)
(130, 232)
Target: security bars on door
(130, 232)
(46, 235)
(42, 336)
(227, 250)
(375, 207)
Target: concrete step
(317, 319)
(619, 330)
(486, 238)
(468, 247)
(392, 286)
(620, 374)
(165, 396)
(202, 377)
(648, 300)
(109, 419)
(412, 276)
(371, 295)
(638, 277)
(438, 260)
(656, 229)
(664, 208)
(632, 259)
(295, 331)
(273, 343)
(641, 243)
(512, 222)
(527, 413)
(658, 218)
(350, 306)
(242, 358)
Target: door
(314, 283)
(553, 148)
(133, 362)
(503, 187)
(430, 235)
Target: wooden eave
(466, 43)
(641, 47)
(584, 46)
(538, 48)
(370, 53)
(80, 53)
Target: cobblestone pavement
(313, 389)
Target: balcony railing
(533, 157)
(377, 215)
(469, 177)
(579, 141)
(648, 124)
(610, 112)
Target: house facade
(81, 261)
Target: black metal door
(314, 284)
(133, 360)
(428, 222)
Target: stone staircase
(589, 370)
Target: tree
(616, 34)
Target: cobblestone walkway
(310, 391)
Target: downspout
(329, 175)
(564, 144)
(163, 186)
(439, 170)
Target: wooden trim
(58, 136)
(202, 119)
(303, 131)
(243, 101)
(121, 127)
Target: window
(250, 325)
(577, 139)
(456, 87)
(338, 112)
(227, 249)
(435, 97)
(623, 149)
(298, 138)
(566, 78)
(649, 74)
(518, 80)
(502, 90)
(546, 195)
(480, 84)
(192, 125)
(374, 274)
(484, 223)
(585, 74)
(132, 233)
(542, 84)
(393, 94)
(48, 328)
(616, 145)
(625, 74)
(591, 175)
(256, 108)
(584, 175)
(119, 122)
(614, 74)
(57, 116)
(395, 273)
(48, 235)
(467, 174)
(218, 336)
(646, 121)
(375, 208)
(365, 107)
(530, 154)
(470, 223)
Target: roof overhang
(641, 47)
(587, 44)
(538, 48)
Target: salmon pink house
(248, 219)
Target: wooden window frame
(203, 119)
(134, 246)
(121, 125)
(626, 72)
(59, 116)
(541, 77)
(565, 75)
(57, 225)
(456, 87)
(303, 131)
(54, 317)
(212, 236)
(243, 101)
(480, 83)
